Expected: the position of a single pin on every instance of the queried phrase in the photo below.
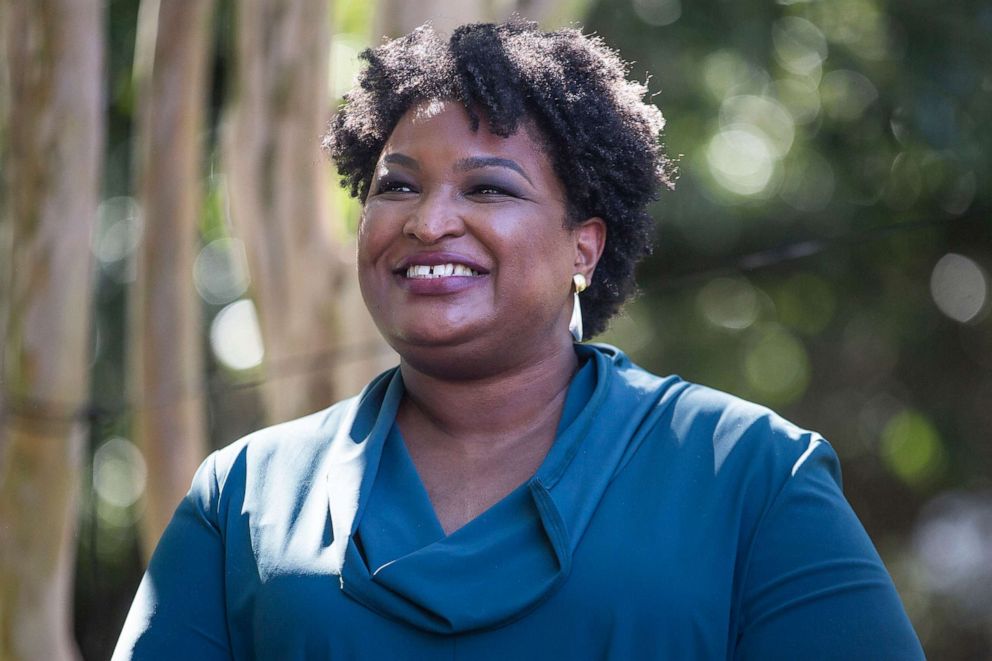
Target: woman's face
(463, 243)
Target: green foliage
(353, 18)
(833, 155)
(912, 448)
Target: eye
(393, 186)
(490, 191)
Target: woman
(507, 492)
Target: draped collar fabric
(396, 560)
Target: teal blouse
(668, 521)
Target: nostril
(433, 223)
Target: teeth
(438, 271)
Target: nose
(434, 218)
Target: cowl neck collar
(396, 560)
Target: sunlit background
(826, 252)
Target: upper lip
(437, 258)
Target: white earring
(575, 325)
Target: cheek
(373, 237)
(364, 245)
(540, 264)
(554, 250)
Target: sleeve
(179, 609)
(814, 587)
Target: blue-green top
(668, 521)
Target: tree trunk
(52, 167)
(364, 353)
(171, 55)
(6, 221)
(277, 183)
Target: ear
(590, 237)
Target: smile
(422, 271)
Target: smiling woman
(506, 491)
(446, 195)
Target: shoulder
(742, 450)
(276, 461)
(743, 464)
(743, 433)
(755, 462)
(695, 416)
(288, 443)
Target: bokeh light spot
(658, 12)
(959, 287)
(800, 46)
(777, 366)
(119, 472)
(953, 541)
(858, 24)
(220, 272)
(846, 94)
(912, 448)
(763, 115)
(800, 96)
(741, 160)
(726, 73)
(729, 303)
(235, 336)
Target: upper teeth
(438, 270)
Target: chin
(429, 330)
(412, 341)
(463, 363)
(433, 327)
(452, 355)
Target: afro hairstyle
(602, 138)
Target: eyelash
(394, 186)
(495, 190)
(391, 186)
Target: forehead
(443, 130)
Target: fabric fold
(506, 561)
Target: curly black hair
(601, 137)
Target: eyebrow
(465, 164)
(476, 162)
(401, 159)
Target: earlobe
(590, 238)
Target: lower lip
(439, 286)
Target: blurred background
(176, 259)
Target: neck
(484, 414)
